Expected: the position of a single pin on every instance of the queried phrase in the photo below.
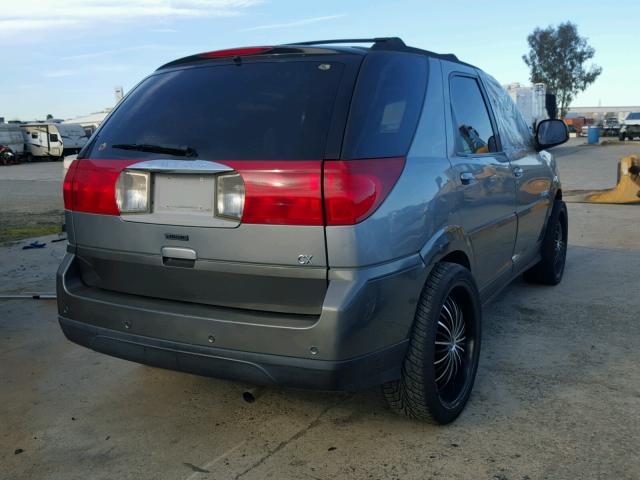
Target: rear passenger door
(532, 172)
(486, 198)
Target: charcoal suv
(313, 215)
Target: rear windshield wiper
(178, 151)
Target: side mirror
(550, 133)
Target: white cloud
(13, 26)
(115, 51)
(295, 23)
(60, 73)
(24, 16)
(86, 70)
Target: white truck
(52, 140)
(630, 127)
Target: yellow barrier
(627, 191)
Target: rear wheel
(550, 269)
(441, 363)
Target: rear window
(386, 105)
(253, 111)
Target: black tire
(421, 392)
(550, 269)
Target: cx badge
(304, 259)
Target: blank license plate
(183, 193)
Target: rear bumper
(359, 339)
(253, 368)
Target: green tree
(557, 57)
(49, 116)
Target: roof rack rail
(387, 41)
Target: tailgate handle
(179, 257)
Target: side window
(53, 137)
(34, 134)
(474, 132)
(386, 105)
(516, 137)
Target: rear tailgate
(271, 122)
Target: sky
(64, 57)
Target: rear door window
(386, 105)
(252, 111)
(516, 137)
(472, 124)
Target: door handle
(518, 172)
(467, 178)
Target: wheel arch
(558, 194)
(449, 244)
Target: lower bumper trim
(254, 368)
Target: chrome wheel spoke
(445, 357)
(446, 329)
(450, 345)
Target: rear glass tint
(253, 111)
(386, 105)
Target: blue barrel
(593, 135)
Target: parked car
(631, 127)
(312, 216)
(584, 131)
(610, 127)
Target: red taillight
(234, 52)
(93, 186)
(67, 185)
(276, 192)
(354, 189)
(281, 192)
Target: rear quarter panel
(419, 206)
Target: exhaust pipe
(252, 394)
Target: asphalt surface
(557, 394)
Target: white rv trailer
(90, 123)
(52, 140)
(11, 136)
(42, 140)
(73, 136)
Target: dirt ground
(31, 199)
(557, 394)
